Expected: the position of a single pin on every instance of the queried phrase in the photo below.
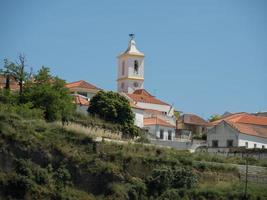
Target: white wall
(154, 130)
(129, 72)
(222, 132)
(163, 108)
(252, 140)
(138, 117)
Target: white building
(130, 69)
(159, 129)
(82, 92)
(238, 130)
(130, 84)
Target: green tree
(48, 93)
(115, 108)
(214, 117)
(17, 72)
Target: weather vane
(131, 35)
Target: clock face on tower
(135, 84)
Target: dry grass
(93, 132)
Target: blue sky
(204, 57)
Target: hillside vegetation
(42, 160)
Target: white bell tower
(130, 69)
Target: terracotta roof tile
(193, 119)
(142, 95)
(157, 121)
(249, 129)
(81, 84)
(244, 118)
(80, 100)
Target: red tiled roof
(249, 129)
(80, 100)
(193, 119)
(142, 95)
(157, 121)
(81, 84)
(244, 118)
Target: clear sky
(204, 56)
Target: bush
(166, 178)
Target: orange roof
(250, 129)
(193, 119)
(80, 100)
(81, 84)
(141, 95)
(157, 121)
(244, 118)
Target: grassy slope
(43, 161)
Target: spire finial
(132, 36)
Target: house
(190, 124)
(82, 92)
(159, 129)
(238, 130)
(83, 88)
(13, 84)
(130, 84)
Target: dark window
(161, 134)
(123, 68)
(169, 135)
(263, 147)
(246, 144)
(136, 67)
(82, 93)
(255, 145)
(230, 143)
(214, 143)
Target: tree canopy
(48, 93)
(113, 107)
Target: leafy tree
(6, 72)
(17, 72)
(48, 93)
(113, 107)
(214, 117)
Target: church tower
(130, 69)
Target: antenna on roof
(132, 36)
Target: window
(169, 135)
(123, 68)
(122, 85)
(255, 145)
(263, 147)
(214, 143)
(161, 134)
(136, 67)
(230, 143)
(82, 93)
(246, 144)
